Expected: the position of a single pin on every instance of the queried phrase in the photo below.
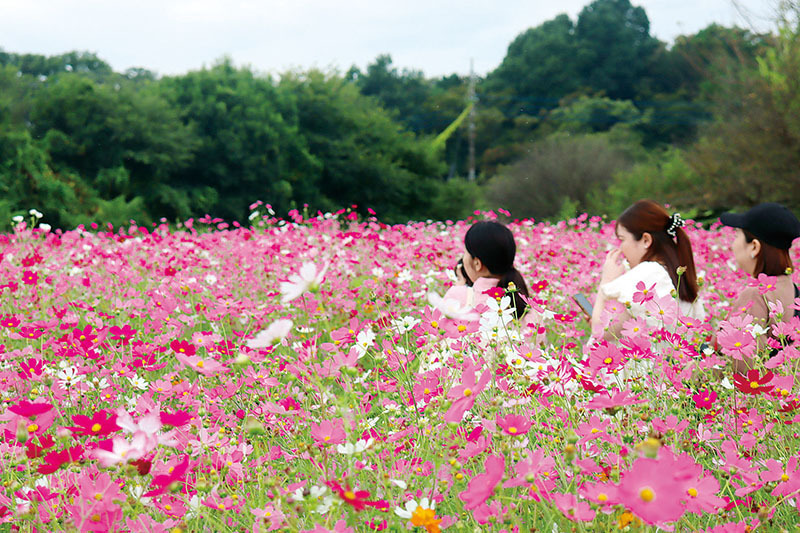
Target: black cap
(771, 223)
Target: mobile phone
(582, 301)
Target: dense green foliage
(707, 122)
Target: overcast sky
(436, 36)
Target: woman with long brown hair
(659, 255)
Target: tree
(614, 47)
(750, 153)
(364, 156)
(250, 146)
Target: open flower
(753, 383)
(356, 499)
(420, 514)
(308, 279)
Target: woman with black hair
(488, 262)
(764, 236)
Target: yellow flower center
(462, 328)
(512, 430)
(349, 495)
(95, 428)
(32, 428)
(607, 360)
(200, 364)
(754, 384)
(434, 324)
(467, 392)
(737, 344)
(98, 496)
(595, 430)
(95, 518)
(784, 477)
(602, 497)
(647, 494)
(692, 492)
(427, 390)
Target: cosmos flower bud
(681, 270)
(22, 432)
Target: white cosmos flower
(274, 333)
(405, 324)
(68, 376)
(349, 449)
(451, 308)
(407, 511)
(308, 279)
(364, 341)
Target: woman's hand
(612, 268)
(460, 279)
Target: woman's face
(743, 251)
(632, 249)
(469, 266)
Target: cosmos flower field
(294, 375)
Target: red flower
(539, 286)
(357, 499)
(183, 347)
(101, 423)
(28, 409)
(53, 460)
(753, 384)
(30, 278)
(495, 292)
(705, 399)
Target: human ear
(647, 239)
(755, 248)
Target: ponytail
(687, 286)
(513, 276)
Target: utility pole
(472, 99)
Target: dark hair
(494, 245)
(770, 260)
(646, 216)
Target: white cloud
(173, 36)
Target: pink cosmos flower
(464, 395)
(619, 399)
(328, 432)
(736, 343)
(651, 491)
(514, 424)
(207, 366)
(643, 293)
(481, 487)
(572, 508)
(764, 283)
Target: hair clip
(675, 222)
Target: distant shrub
(559, 171)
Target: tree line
(581, 115)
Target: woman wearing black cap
(764, 236)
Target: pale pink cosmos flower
(274, 333)
(308, 279)
(452, 308)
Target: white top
(649, 272)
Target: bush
(557, 169)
